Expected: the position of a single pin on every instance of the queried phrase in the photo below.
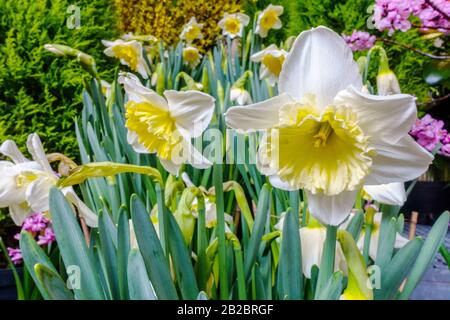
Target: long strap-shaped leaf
(427, 254)
(155, 262)
(290, 265)
(51, 283)
(181, 261)
(139, 285)
(397, 269)
(262, 212)
(73, 247)
(32, 255)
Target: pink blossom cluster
(38, 225)
(394, 15)
(429, 132)
(360, 40)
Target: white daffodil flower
(240, 96)
(106, 89)
(312, 239)
(269, 19)
(272, 60)
(191, 56)
(400, 241)
(233, 24)
(25, 185)
(324, 135)
(165, 126)
(192, 31)
(130, 54)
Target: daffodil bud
(387, 82)
(190, 82)
(160, 84)
(85, 60)
(185, 215)
(205, 80)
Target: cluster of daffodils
(25, 184)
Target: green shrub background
(39, 92)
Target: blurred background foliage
(164, 19)
(39, 93)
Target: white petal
(276, 182)
(320, 63)
(312, 240)
(192, 110)
(10, 192)
(331, 210)
(258, 116)
(87, 214)
(138, 93)
(195, 157)
(400, 241)
(391, 193)
(36, 149)
(19, 213)
(404, 161)
(133, 140)
(170, 166)
(9, 149)
(37, 193)
(386, 118)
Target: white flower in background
(106, 89)
(25, 185)
(400, 241)
(191, 56)
(192, 30)
(233, 24)
(312, 239)
(130, 54)
(240, 96)
(272, 60)
(165, 126)
(269, 19)
(327, 137)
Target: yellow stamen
(323, 134)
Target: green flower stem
(162, 218)
(223, 278)
(201, 244)
(327, 262)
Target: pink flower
(360, 40)
(35, 223)
(15, 255)
(392, 15)
(429, 132)
(47, 238)
(431, 18)
(445, 150)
